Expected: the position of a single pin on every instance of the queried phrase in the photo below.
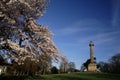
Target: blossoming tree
(20, 36)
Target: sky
(75, 23)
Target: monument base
(92, 67)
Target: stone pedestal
(92, 67)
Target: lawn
(71, 76)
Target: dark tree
(104, 67)
(54, 70)
(64, 64)
(115, 63)
(71, 67)
(112, 66)
(86, 63)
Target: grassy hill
(83, 76)
(71, 76)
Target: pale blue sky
(75, 23)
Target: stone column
(91, 52)
(92, 66)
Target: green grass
(83, 76)
(71, 76)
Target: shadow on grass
(21, 78)
(100, 76)
(108, 76)
(13, 77)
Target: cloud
(79, 26)
(116, 13)
(81, 32)
(72, 30)
(101, 38)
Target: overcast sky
(75, 23)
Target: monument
(92, 66)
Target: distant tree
(20, 36)
(64, 65)
(54, 70)
(104, 66)
(76, 70)
(115, 63)
(71, 66)
(112, 66)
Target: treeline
(29, 67)
(112, 66)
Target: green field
(71, 76)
